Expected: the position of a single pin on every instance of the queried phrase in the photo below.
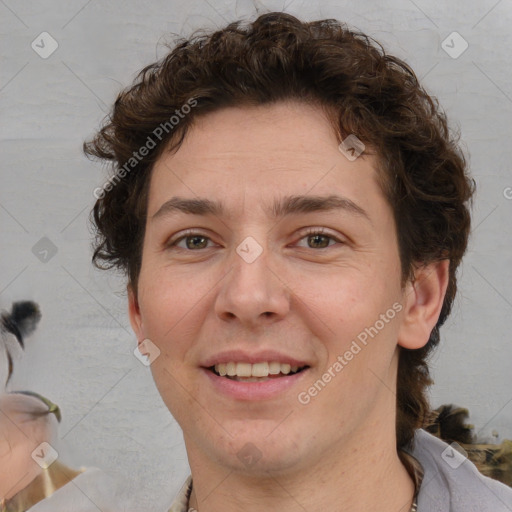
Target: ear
(423, 299)
(134, 313)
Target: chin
(252, 461)
(257, 451)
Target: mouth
(255, 381)
(258, 372)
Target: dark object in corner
(20, 322)
(492, 460)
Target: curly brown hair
(364, 91)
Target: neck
(367, 476)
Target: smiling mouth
(283, 372)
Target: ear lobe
(423, 301)
(134, 313)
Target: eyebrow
(289, 205)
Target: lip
(240, 356)
(264, 390)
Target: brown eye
(318, 239)
(193, 241)
(196, 242)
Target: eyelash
(309, 232)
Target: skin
(302, 296)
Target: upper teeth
(265, 369)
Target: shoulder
(452, 483)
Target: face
(270, 280)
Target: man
(290, 210)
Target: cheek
(343, 299)
(355, 315)
(166, 305)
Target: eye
(318, 237)
(193, 240)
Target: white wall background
(81, 356)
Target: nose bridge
(252, 287)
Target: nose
(253, 290)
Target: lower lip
(254, 390)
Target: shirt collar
(181, 502)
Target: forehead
(239, 154)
